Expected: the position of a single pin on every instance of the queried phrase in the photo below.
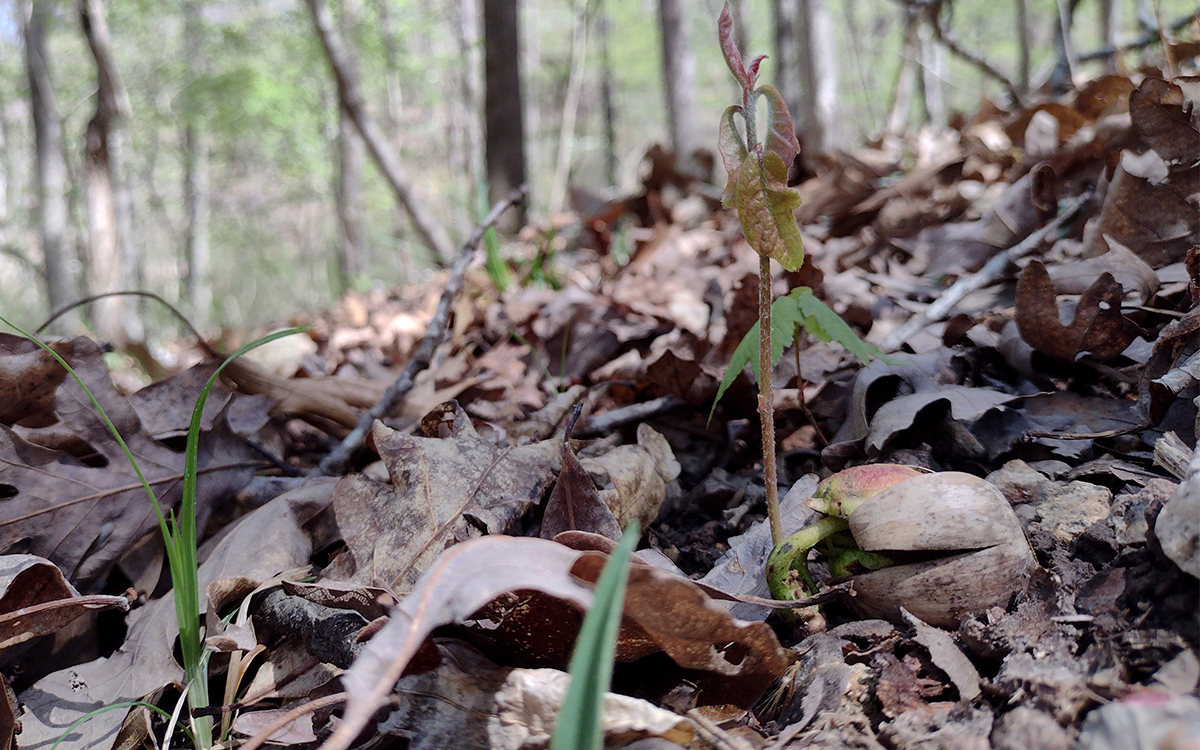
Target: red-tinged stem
(766, 410)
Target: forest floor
(483, 504)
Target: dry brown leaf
(662, 612)
(575, 503)
(29, 378)
(1160, 116)
(1130, 271)
(1097, 327)
(36, 600)
(1151, 217)
(640, 475)
(443, 491)
(83, 514)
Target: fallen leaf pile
(432, 595)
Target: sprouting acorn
(940, 545)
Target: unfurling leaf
(733, 56)
(800, 307)
(757, 185)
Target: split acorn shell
(987, 559)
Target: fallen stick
(334, 463)
(991, 272)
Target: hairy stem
(766, 410)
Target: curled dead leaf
(1097, 327)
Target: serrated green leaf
(799, 308)
(784, 316)
(822, 322)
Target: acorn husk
(982, 557)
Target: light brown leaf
(443, 491)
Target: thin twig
(317, 704)
(1144, 41)
(991, 272)
(130, 293)
(335, 462)
(602, 424)
(977, 60)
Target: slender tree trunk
(472, 103)
(504, 115)
(113, 256)
(351, 155)
(787, 56)
(58, 261)
(679, 77)
(933, 67)
(606, 102)
(1063, 77)
(819, 77)
(906, 77)
(566, 132)
(865, 80)
(198, 288)
(1024, 33)
(430, 231)
(1108, 31)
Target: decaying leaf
(36, 600)
(575, 503)
(1097, 327)
(640, 475)
(83, 511)
(443, 491)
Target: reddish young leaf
(733, 56)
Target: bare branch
(431, 232)
(335, 462)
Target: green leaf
(799, 308)
(581, 719)
(828, 326)
(757, 185)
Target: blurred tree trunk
(1024, 32)
(471, 104)
(58, 263)
(933, 73)
(818, 77)
(113, 262)
(351, 155)
(787, 60)
(906, 77)
(393, 49)
(195, 161)
(1062, 78)
(1108, 32)
(503, 113)
(606, 101)
(566, 131)
(679, 77)
(430, 231)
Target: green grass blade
(114, 707)
(187, 586)
(581, 718)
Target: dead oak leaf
(1098, 328)
(443, 491)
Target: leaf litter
(447, 574)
